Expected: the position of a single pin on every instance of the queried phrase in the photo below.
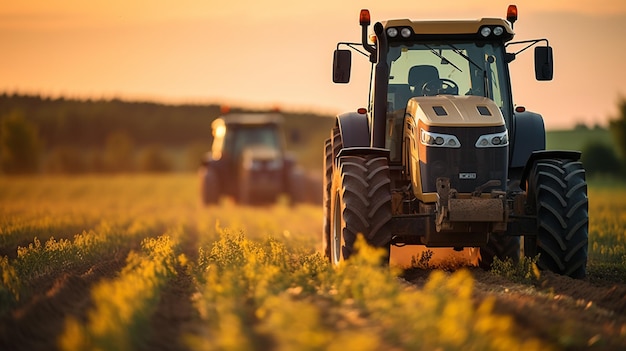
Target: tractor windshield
(253, 137)
(428, 69)
(463, 68)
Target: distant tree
(95, 161)
(20, 146)
(119, 152)
(65, 159)
(618, 128)
(581, 126)
(600, 158)
(154, 159)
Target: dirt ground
(572, 313)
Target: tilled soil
(572, 314)
(36, 323)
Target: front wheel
(209, 186)
(557, 195)
(501, 246)
(360, 204)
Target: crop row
(122, 307)
(255, 295)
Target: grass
(259, 279)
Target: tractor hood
(454, 110)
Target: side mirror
(342, 61)
(543, 63)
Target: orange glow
(364, 17)
(442, 257)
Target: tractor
(248, 162)
(443, 158)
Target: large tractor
(443, 158)
(248, 162)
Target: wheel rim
(336, 232)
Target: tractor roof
(248, 119)
(450, 27)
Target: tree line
(608, 158)
(41, 134)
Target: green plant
(524, 271)
(423, 261)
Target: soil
(571, 314)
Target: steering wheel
(440, 86)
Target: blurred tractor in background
(248, 162)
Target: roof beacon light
(511, 14)
(364, 17)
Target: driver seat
(420, 75)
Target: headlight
(498, 30)
(485, 31)
(439, 140)
(392, 32)
(493, 140)
(405, 32)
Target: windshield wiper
(460, 53)
(441, 57)
(485, 78)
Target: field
(135, 263)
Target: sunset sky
(278, 52)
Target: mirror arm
(353, 46)
(530, 43)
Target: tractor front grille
(467, 166)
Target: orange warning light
(364, 17)
(511, 13)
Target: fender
(547, 155)
(354, 129)
(529, 136)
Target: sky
(278, 53)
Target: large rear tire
(557, 194)
(209, 186)
(360, 203)
(297, 187)
(328, 173)
(332, 147)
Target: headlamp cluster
(487, 31)
(493, 140)
(451, 141)
(439, 140)
(404, 32)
